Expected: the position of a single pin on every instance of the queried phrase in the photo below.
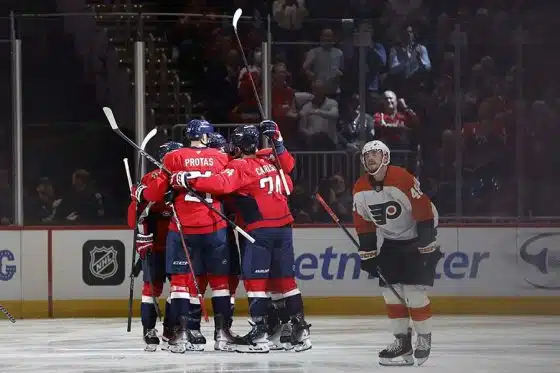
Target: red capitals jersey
(255, 188)
(157, 220)
(194, 216)
(286, 160)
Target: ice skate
(423, 347)
(256, 341)
(197, 340)
(300, 337)
(168, 334)
(151, 339)
(280, 337)
(398, 353)
(224, 340)
(179, 344)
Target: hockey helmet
(369, 152)
(246, 139)
(196, 129)
(217, 141)
(167, 147)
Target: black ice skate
(300, 336)
(256, 341)
(398, 353)
(423, 347)
(280, 337)
(224, 339)
(167, 335)
(151, 339)
(197, 340)
(179, 344)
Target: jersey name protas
(263, 170)
(199, 162)
(383, 211)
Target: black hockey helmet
(246, 139)
(167, 147)
(217, 141)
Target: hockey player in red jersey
(204, 232)
(397, 229)
(152, 226)
(268, 264)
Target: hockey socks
(148, 315)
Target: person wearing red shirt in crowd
(284, 109)
(392, 125)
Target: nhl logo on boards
(103, 262)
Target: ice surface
(346, 345)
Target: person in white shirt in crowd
(325, 63)
(408, 60)
(289, 14)
(318, 120)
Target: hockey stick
(8, 314)
(191, 267)
(148, 137)
(113, 123)
(337, 221)
(236, 17)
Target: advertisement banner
(10, 266)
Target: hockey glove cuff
(369, 261)
(144, 243)
(137, 193)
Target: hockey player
(268, 264)
(396, 225)
(152, 226)
(204, 232)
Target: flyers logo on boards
(103, 262)
(542, 254)
(7, 271)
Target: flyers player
(396, 225)
(268, 264)
(204, 232)
(151, 235)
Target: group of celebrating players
(182, 235)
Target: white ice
(346, 345)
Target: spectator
(325, 63)
(318, 120)
(84, 204)
(244, 83)
(221, 84)
(247, 111)
(42, 209)
(289, 16)
(283, 103)
(408, 61)
(393, 124)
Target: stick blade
(111, 118)
(236, 17)
(148, 137)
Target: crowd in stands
(424, 80)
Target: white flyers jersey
(393, 208)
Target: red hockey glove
(144, 243)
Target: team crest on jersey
(383, 211)
(103, 262)
(154, 175)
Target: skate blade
(406, 360)
(150, 348)
(252, 349)
(178, 349)
(225, 347)
(196, 347)
(421, 360)
(303, 346)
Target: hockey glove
(144, 243)
(431, 255)
(180, 179)
(136, 193)
(169, 196)
(369, 261)
(270, 129)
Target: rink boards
(62, 272)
